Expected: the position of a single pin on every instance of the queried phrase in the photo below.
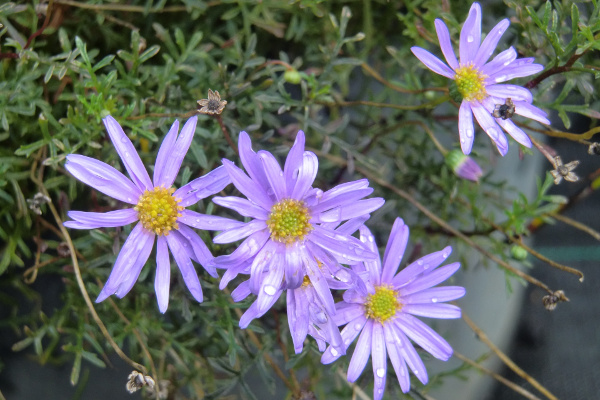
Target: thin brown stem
(423, 106)
(356, 390)
(577, 225)
(125, 7)
(368, 69)
(555, 70)
(550, 262)
(543, 150)
(226, 133)
(499, 378)
(506, 360)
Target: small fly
(504, 111)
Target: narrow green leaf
(104, 62)
(76, 369)
(82, 50)
(149, 53)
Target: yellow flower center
(383, 304)
(289, 221)
(158, 210)
(469, 81)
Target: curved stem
(506, 360)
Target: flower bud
(463, 166)
(292, 76)
(518, 253)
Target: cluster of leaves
(282, 66)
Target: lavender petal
(465, 127)
(516, 93)
(397, 360)
(190, 277)
(207, 222)
(239, 232)
(432, 62)
(200, 252)
(200, 188)
(361, 354)
(93, 220)
(431, 279)
(242, 206)
(379, 360)
(274, 174)
(394, 251)
(349, 333)
(293, 162)
(424, 336)
(162, 280)
(129, 156)
(445, 43)
(490, 42)
(435, 295)
(440, 311)
(470, 35)
(247, 186)
(103, 178)
(421, 266)
(306, 176)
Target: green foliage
(281, 66)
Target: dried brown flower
(213, 105)
(138, 380)
(37, 201)
(594, 149)
(550, 301)
(564, 171)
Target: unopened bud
(518, 253)
(292, 76)
(463, 166)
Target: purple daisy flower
(478, 81)
(159, 208)
(291, 230)
(383, 309)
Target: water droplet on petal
(500, 78)
(210, 222)
(493, 133)
(198, 220)
(270, 290)
(280, 173)
(445, 254)
(333, 351)
(416, 372)
(357, 327)
(469, 133)
(434, 300)
(462, 140)
(380, 372)
(129, 199)
(124, 139)
(470, 39)
(420, 262)
(402, 371)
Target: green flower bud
(292, 76)
(518, 253)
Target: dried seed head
(594, 149)
(37, 201)
(63, 249)
(213, 105)
(564, 171)
(138, 380)
(550, 301)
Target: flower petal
(352, 225)
(247, 186)
(133, 164)
(379, 360)
(489, 125)
(514, 131)
(361, 354)
(190, 277)
(431, 279)
(373, 266)
(274, 174)
(349, 333)
(465, 127)
(252, 164)
(346, 312)
(409, 354)
(261, 265)
(239, 232)
(178, 152)
(394, 251)
(421, 266)
(131, 259)
(242, 206)
(164, 152)
(207, 222)
(241, 292)
(320, 286)
(530, 111)
(270, 288)
(294, 265)
(490, 42)
(424, 336)
(343, 247)
(396, 358)
(293, 162)
(441, 311)
(297, 313)
(432, 62)
(510, 91)
(515, 70)
(499, 62)
(343, 199)
(200, 252)
(200, 188)
(162, 280)
(103, 178)
(306, 175)
(93, 220)
(245, 251)
(470, 35)
(434, 295)
(445, 43)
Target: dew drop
(371, 238)
(210, 222)
(270, 290)
(198, 220)
(334, 352)
(280, 173)
(126, 154)
(124, 139)
(380, 372)
(434, 300)
(507, 62)
(501, 78)
(380, 391)
(416, 372)
(357, 327)
(402, 371)
(129, 199)
(420, 262)
(470, 39)
(462, 140)
(469, 133)
(445, 254)
(493, 133)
